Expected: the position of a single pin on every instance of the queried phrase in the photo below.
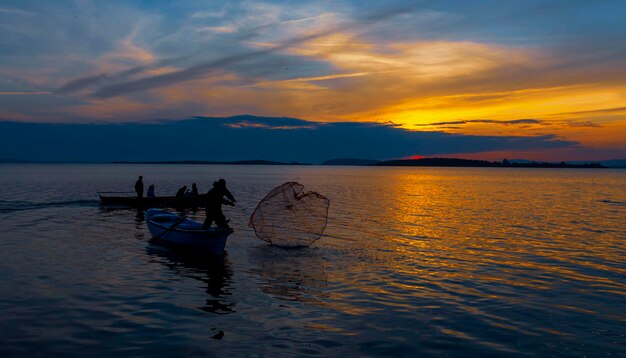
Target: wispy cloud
(262, 125)
(203, 69)
(489, 121)
(23, 93)
(513, 122)
(12, 11)
(91, 81)
(599, 111)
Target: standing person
(194, 190)
(214, 201)
(139, 187)
(182, 191)
(150, 193)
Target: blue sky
(485, 66)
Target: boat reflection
(290, 274)
(214, 271)
(140, 218)
(114, 212)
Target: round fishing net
(289, 217)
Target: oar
(178, 222)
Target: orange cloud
(409, 83)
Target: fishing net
(289, 217)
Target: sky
(544, 79)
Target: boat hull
(184, 233)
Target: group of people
(184, 191)
(139, 189)
(215, 197)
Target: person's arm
(229, 195)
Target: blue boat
(185, 233)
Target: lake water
(414, 262)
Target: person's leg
(221, 222)
(208, 221)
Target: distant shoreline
(195, 162)
(423, 162)
(174, 162)
(469, 163)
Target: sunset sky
(544, 70)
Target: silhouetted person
(214, 201)
(181, 192)
(194, 189)
(150, 193)
(139, 187)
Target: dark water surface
(414, 262)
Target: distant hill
(14, 161)
(351, 161)
(436, 162)
(520, 161)
(616, 163)
(238, 162)
(456, 162)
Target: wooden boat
(185, 233)
(186, 201)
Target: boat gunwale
(200, 230)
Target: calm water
(415, 261)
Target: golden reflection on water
(459, 236)
(453, 224)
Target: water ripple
(414, 261)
